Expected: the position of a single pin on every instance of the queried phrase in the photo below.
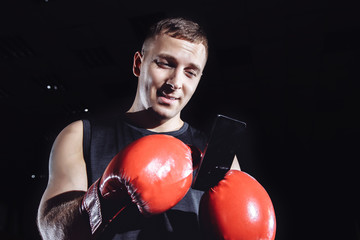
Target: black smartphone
(225, 137)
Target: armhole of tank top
(86, 146)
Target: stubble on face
(153, 78)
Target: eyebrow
(194, 66)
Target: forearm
(60, 218)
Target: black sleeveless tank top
(102, 141)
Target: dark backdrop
(287, 68)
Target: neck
(149, 120)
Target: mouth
(167, 98)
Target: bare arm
(58, 213)
(235, 164)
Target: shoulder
(68, 142)
(70, 137)
(67, 170)
(73, 128)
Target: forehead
(179, 49)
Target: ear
(137, 63)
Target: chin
(164, 113)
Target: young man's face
(169, 73)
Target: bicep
(67, 169)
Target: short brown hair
(179, 28)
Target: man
(140, 165)
(168, 69)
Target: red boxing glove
(154, 172)
(238, 208)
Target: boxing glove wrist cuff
(99, 211)
(92, 207)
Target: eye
(191, 73)
(162, 63)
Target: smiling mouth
(167, 96)
(167, 99)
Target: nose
(175, 81)
(172, 86)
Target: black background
(287, 68)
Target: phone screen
(226, 136)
